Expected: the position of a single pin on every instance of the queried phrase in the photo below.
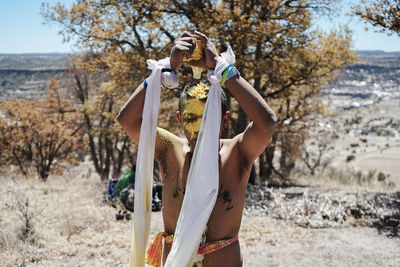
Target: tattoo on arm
(226, 197)
(177, 188)
(176, 192)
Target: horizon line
(70, 53)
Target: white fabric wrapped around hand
(203, 178)
(170, 79)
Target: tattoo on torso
(226, 197)
(223, 194)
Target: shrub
(381, 177)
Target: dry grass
(70, 224)
(352, 180)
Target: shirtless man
(236, 155)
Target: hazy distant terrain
(32, 61)
(26, 75)
(375, 76)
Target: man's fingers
(189, 42)
(196, 63)
(185, 50)
(202, 37)
(186, 39)
(185, 47)
(182, 47)
(185, 43)
(186, 34)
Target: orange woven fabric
(216, 245)
(154, 252)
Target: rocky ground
(314, 207)
(312, 226)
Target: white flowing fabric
(144, 164)
(203, 178)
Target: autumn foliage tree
(41, 134)
(287, 63)
(97, 100)
(276, 49)
(382, 14)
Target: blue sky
(362, 39)
(22, 30)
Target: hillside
(26, 75)
(376, 76)
(32, 61)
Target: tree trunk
(268, 158)
(261, 167)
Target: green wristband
(225, 74)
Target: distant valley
(374, 77)
(27, 75)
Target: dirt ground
(270, 242)
(371, 134)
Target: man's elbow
(128, 123)
(270, 121)
(273, 120)
(119, 118)
(123, 120)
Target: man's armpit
(252, 143)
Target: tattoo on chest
(226, 197)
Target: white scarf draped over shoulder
(203, 177)
(145, 164)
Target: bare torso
(226, 216)
(236, 155)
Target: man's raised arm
(130, 115)
(259, 132)
(257, 135)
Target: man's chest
(175, 171)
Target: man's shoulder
(232, 149)
(231, 141)
(229, 144)
(166, 135)
(166, 140)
